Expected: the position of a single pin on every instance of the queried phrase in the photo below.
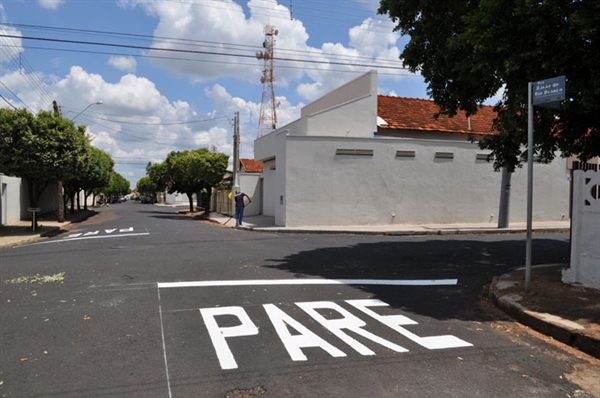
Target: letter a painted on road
(294, 343)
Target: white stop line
(272, 282)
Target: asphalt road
(140, 301)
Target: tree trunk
(503, 213)
(191, 198)
(207, 204)
(72, 201)
(60, 217)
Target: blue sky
(155, 101)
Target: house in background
(14, 200)
(357, 158)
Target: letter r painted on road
(348, 322)
(293, 343)
(218, 334)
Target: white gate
(585, 230)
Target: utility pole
(236, 159)
(60, 212)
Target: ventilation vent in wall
(444, 155)
(484, 156)
(405, 154)
(354, 152)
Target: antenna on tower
(267, 120)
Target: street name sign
(549, 92)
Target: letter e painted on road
(218, 334)
(349, 322)
(394, 322)
(294, 343)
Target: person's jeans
(239, 214)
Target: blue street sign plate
(549, 92)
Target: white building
(357, 158)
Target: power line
(198, 52)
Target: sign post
(33, 210)
(546, 93)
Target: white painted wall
(332, 189)
(250, 185)
(10, 199)
(14, 193)
(585, 231)
(307, 184)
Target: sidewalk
(21, 232)
(267, 224)
(568, 313)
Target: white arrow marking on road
(130, 229)
(110, 231)
(73, 236)
(91, 233)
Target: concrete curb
(48, 231)
(424, 232)
(559, 329)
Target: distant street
(139, 301)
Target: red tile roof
(252, 166)
(417, 115)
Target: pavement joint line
(271, 282)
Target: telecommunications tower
(267, 120)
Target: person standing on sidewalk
(239, 206)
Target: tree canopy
(118, 185)
(192, 171)
(469, 50)
(41, 149)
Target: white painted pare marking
(272, 282)
(67, 239)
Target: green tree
(181, 171)
(97, 172)
(213, 168)
(191, 172)
(41, 149)
(467, 50)
(157, 174)
(146, 186)
(118, 185)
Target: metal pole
(236, 160)
(529, 184)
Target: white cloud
(226, 22)
(51, 4)
(12, 47)
(127, 64)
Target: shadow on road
(474, 263)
